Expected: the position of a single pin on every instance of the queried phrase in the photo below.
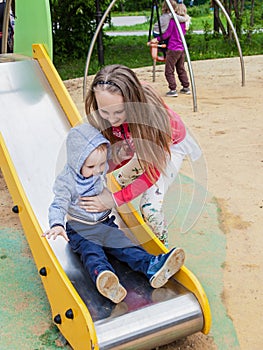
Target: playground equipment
(154, 52)
(99, 27)
(159, 58)
(36, 114)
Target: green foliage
(73, 23)
(133, 52)
(199, 11)
(135, 5)
(214, 46)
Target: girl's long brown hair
(147, 117)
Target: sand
(228, 126)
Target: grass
(133, 52)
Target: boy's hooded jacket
(82, 140)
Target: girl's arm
(133, 190)
(107, 200)
(182, 18)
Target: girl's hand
(56, 231)
(98, 203)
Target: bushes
(73, 23)
(133, 52)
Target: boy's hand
(56, 231)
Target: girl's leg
(180, 70)
(171, 58)
(151, 204)
(129, 172)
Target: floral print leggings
(151, 203)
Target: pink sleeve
(137, 187)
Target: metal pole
(100, 43)
(236, 38)
(5, 25)
(92, 45)
(186, 52)
(216, 16)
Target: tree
(235, 10)
(74, 24)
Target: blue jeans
(94, 242)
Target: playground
(216, 220)
(228, 126)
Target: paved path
(127, 21)
(130, 21)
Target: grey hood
(82, 140)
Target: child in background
(149, 143)
(165, 19)
(94, 235)
(181, 12)
(175, 55)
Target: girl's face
(111, 107)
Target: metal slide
(36, 114)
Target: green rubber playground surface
(205, 246)
(25, 321)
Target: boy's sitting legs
(109, 286)
(162, 267)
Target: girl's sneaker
(186, 91)
(164, 266)
(172, 93)
(109, 286)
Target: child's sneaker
(164, 266)
(172, 93)
(186, 91)
(109, 286)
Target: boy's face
(95, 163)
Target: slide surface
(37, 114)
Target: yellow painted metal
(60, 292)
(149, 241)
(64, 98)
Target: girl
(161, 26)
(149, 142)
(175, 54)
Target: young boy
(94, 235)
(162, 26)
